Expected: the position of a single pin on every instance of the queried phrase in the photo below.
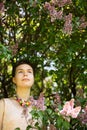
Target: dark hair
(20, 62)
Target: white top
(13, 116)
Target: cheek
(32, 77)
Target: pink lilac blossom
(69, 110)
(83, 116)
(67, 28)
(39, 103)
(82, 19)
(54, 14)
(56, 3)
(68, 18)
(68, 24)
(47, 6)
(58, 14)
(83, 23)
(61, 3)
(1, 8)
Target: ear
(14, 80)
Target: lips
(25, 79)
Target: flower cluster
(68, 24)
(54, 14)
(59, 14)
(69, 110)
(39, 103)
(52, 116)
(83, 23)
(1, 7)
(56, 11)
(83, 116)
(61, 3)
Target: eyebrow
(18, 69)
(23, 69)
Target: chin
(26, 86)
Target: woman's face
(24, 76)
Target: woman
(15, 112)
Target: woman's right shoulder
(2, 102)
(1, 105)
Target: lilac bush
(56, 117)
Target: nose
(25, 73)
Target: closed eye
(29, 71)
(20, 71)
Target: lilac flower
(83, 23)
(54, 14)
(39, 104)
(60, 14)
(47, 6)
(83, 116)
(68, 24)
(69, 110)
(1, 6)
(61, 3)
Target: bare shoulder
(4, 100)
(1, 112)
(1, 103)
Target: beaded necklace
(22, 102)
(25, 105)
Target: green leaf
(17, 128)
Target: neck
(24, 93)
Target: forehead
(23, 67)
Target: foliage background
(55, 43)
